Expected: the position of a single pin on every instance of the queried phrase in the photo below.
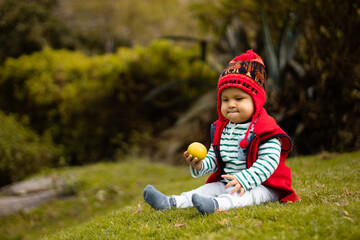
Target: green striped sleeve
(264, 166)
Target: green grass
(109, 205)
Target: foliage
(28, 26)
(229, 27)
(109, 205)
(114, 23)
(317, 101)
(92, 26)
(279, 59)
(94, 105)
(329, 95)
(23, 152)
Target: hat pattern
(252, 69)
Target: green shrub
(97, 105)
(23, 152)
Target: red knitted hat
(246, 72)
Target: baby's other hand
(194, 162)
(234, 182)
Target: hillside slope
(108, 205)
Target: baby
(248, 150)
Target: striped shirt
(234, 157)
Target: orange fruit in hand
(197, 150)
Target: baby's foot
(204, 205)
(157, 200)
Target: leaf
(287, 44)
(236, 36)
(223, 222)
(232, 41)
(297, 67)
(179, 225)
(272, 60)
(348, 218)
(139, 208)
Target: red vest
(265, 129)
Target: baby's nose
(232, 103)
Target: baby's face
(236, 105)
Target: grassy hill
(108, 205)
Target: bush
(23, 152)
(97, 105)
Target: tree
(319, 108)
(28, 25)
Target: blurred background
(84, 81)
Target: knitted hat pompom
(250, 55)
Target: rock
(30, 193)
(12, 204)
(34, 185)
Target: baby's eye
(225, 100)
(239, 99)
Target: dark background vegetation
(87, 80)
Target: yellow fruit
(197, 150)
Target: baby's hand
(194, 162)
(233, 182)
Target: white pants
(216, 190)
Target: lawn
(108, 205)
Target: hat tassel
(245, 143)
